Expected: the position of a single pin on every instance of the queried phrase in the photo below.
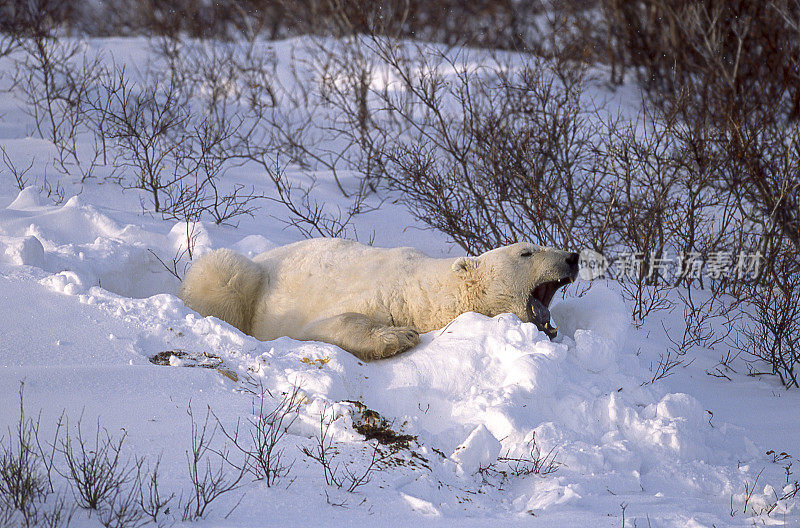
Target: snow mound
(22, 251)
(85, 240)
(488, 388)
(479, 450)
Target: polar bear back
(319, 278)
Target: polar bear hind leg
(361, 335)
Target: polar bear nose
(572, 259)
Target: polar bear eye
(526, 253)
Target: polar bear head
(521, 279)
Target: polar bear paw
(395, 339)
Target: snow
(480, 450)
(85, 303)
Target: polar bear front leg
(360, 335)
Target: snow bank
(475, 394)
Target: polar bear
(372, 302)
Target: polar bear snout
(572, 259)
(569, 266)
(572, 263)
(558, 268)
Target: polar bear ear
(464, 265)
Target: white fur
(370, 301)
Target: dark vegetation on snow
(373, 426)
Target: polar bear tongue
(540, 316)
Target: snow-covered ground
(85, 304)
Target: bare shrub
(124, 493)
(55, 78)
(258, 438)
(665, 367)
(310, 215)
(151, 499)
(204, 158)
(55, 512)
(21, 180)
(346, 477)
(9, 30)
(20, 175)
(345, 70)
(773, 335)
(179, 156)
(506, 25)
(23, 482)
(747, 46)
(289, 143)
(221, 73)
(706, 323)
(177, 265)
(6, 511)
(537, 462)
(145, 125)
(122, 510)
(26, 486)
(249, 117)
(58, 513)
(209, 479)
(96, 471)
(640, 160)
(489, 156)
(723, 71)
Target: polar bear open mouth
(539, 303)
(544, 292)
